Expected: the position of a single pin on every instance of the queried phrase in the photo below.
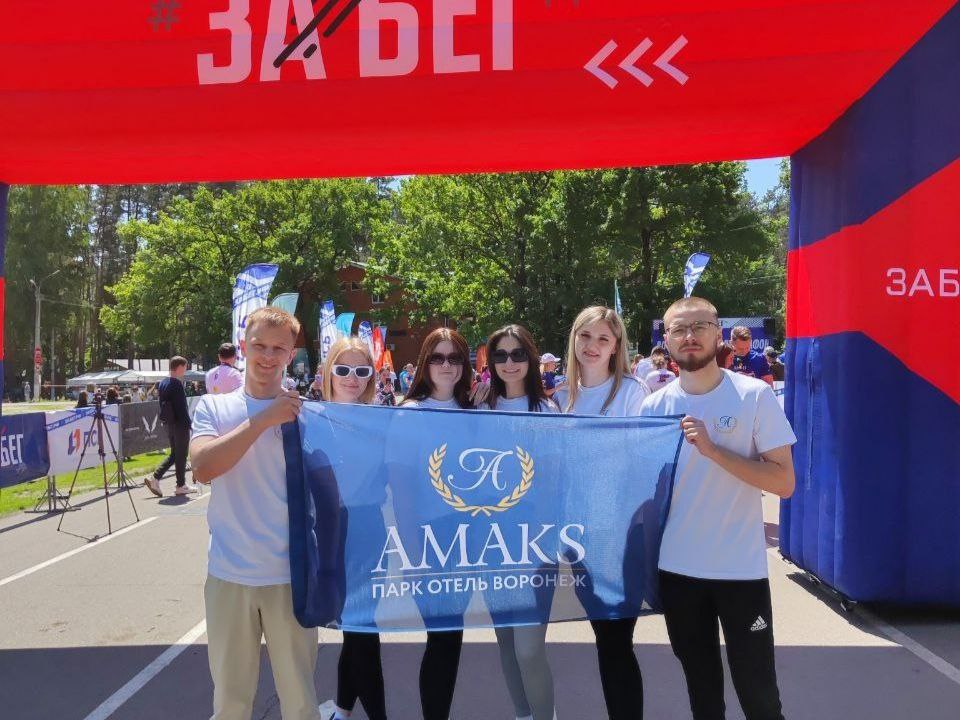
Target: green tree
(176, 296)
(47, 232)
(535, 248)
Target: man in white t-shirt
(713, 564)
(225, 377)
(237, 448)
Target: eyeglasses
(679, 332)
(518, 355)
(360, 371)
(439, 358)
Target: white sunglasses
(361, 371)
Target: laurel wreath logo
(458, 504)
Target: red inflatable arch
(864, 95)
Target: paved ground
(115, 630)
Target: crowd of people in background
(656, 371)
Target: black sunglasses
(440, 358)
(518, 355)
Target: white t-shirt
(429, 402)
(249, 526)
(520, 404)
(223, 379)
(590, 400)
(657, 379)
(715, 528)
(644, 368)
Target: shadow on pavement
(816, 682)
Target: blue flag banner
(250, 292)
(345, 324)
(757, 326)
(328, 328)
(365, 331)
(692, 271)
(23, 448)
(617, 305)
(286, 301)
(405, 519)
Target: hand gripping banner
(404, 519)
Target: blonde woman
(600, 383)
(348, 378)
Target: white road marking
(951, 672)
(75, 551)
(908, 643)
(135, 684)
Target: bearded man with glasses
(713, 560)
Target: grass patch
(43, 406)
(24, 496)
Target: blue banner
(286, 301)
(345, 324)
(405, 519)
(250, 292)
(692, 271)
(757, 325)
(365, 331)
(328, 328)
(23, 448)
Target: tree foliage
(148, 270)
(484, 250)
(178, 289)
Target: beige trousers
(237, 617)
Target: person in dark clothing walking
(176, 419)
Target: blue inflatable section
(876, 512)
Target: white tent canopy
(127, 377)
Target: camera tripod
(98, 425)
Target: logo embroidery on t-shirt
(725, 424)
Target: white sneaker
(184, 490)
(328, 710)
(152, 485)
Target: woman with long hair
(442, 381)
(348, 377)
(600, 383)
(516, 385)
(444, 375)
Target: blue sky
(762, 175)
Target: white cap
(549, 357)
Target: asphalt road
(116, 630)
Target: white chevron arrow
(593, 65)
(629, 62)
(663, 62)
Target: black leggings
(619, 670)
(694, 610)
(360, 674)
(438, 673)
